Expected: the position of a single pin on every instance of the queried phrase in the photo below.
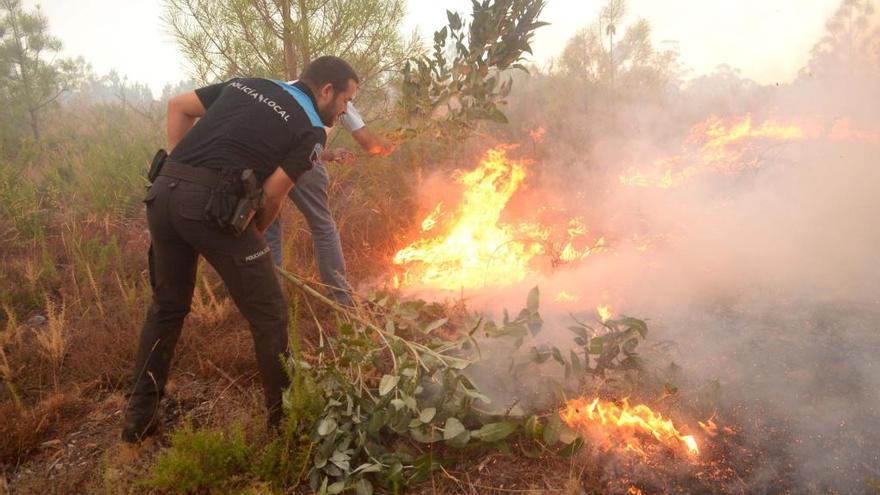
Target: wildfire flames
(714, 145)
(470, 247)
(630, 427)
(728, 145)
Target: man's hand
(373, 143)
(341, 156)
(275, 189)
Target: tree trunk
(290, 65)
(35, 128)
(304, 48)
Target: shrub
(206, 460)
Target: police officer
(273, 128)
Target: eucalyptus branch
(414, 347)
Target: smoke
(764, 270)
(761, 265)
(766, 277)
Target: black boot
(141, 418)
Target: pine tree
(32, 77)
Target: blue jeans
(310, 196)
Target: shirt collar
(305, 89)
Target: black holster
(156, 165)
(235, 194)
(250, 200)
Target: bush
(207, 460)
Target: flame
(604, 312)
(564, 296)
(624, 424)
(476, 250)
(717, 133)
(716, 144)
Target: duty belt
(208, 177)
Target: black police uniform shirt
(253, 123)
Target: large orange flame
(625, 425)
(469, 247)
(476, 250)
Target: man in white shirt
(310, 196)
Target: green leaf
(567, 435)
(336, 488)
(551, 431)
(454, 20)
(427, 414)
(419, 434)
(532, 300)
(533, 427)
(435, 325)
(326, 426)
(410, 402)
(579, 331)
(387, 384)
(635, 324)
(576, 367)
(368, 467)
(497, 115)
(456, 363)
(452, 428)
(557, 355)
(363, 487)
(460, 440)
(440, 36)
(538, 356)
(494, 432)
(477, 395)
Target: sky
(768, 40)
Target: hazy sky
(768, 40)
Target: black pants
(175, 211)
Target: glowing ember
(712, 429)
(625, 425)
(475, 250)
(604, 312)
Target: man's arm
(275, 189)
(183, 110)
(371, 143)
(352, 121)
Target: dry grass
(25, 429)
(53, 339)
(74, 288)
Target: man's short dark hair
(329, 69)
